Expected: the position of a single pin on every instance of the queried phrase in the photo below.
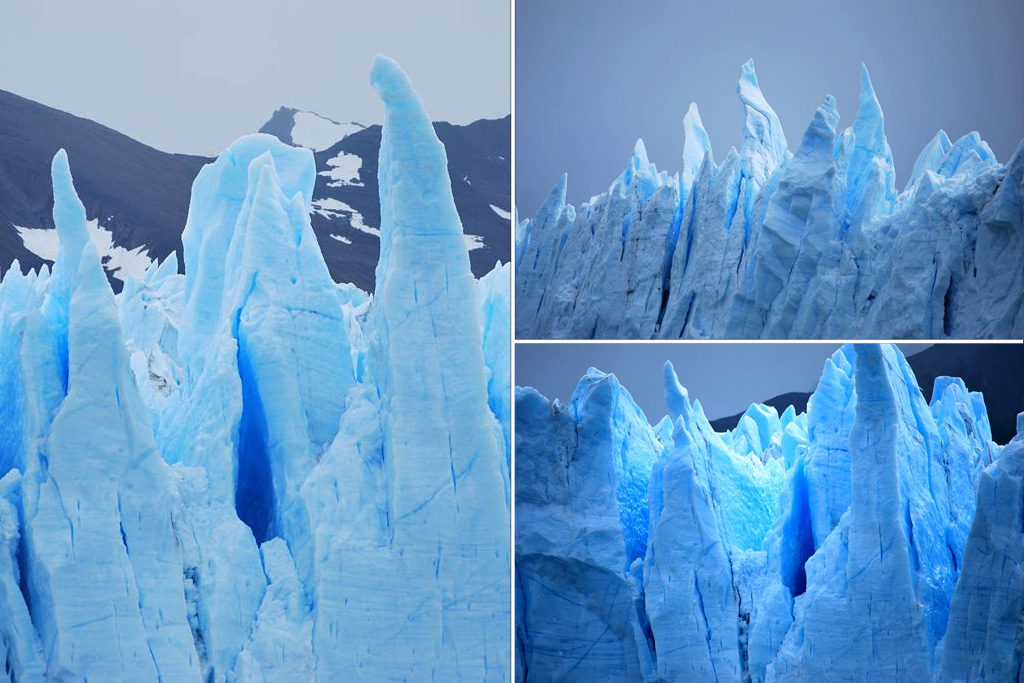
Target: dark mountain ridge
(141, 194)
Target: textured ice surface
(581, 511)
(769, 244)
(874, 536)
(247, 472)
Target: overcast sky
(193, 75)
(725, 377)
(592, 76)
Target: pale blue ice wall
(814, 546)
(248, 472)
(768, 244)
(581, 519)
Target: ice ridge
(772, 244)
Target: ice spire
(878, 546)
(695, 145)
(677, 400)
(556, 196)
(637, 161)
(419, 155)
(640, 176)
(764, 143)
(539, 253)
(445, 523)
(931, 157)
(965, 155)
(70, 221)
(96, 561)
(871, 178)
(822, 129)
(797, 228)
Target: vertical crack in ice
(671, 242)
(190, 583)
(24, 567)
(947, 312)
(707, 627)
(915, 561)
(522, 636)
(134, 582)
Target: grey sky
(192, 75)
(725, 377)
(592, 76)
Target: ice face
(984, 634)
(769, 244)
(431, 477)
(247, 472)
(581, 505)
(817, 546)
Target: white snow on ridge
(473, 242)
(332, 208)
(344, 170)
(118, 261)
(507, 215)
(317, 133)
(42, 242)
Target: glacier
(768, 243)
(248, 472)
(875, 536)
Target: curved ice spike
(764, 143)
(871, 178)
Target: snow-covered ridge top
(308, 129)
(118, 261)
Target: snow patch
(331, 208)
(473, 242)
(118, 261)
(507, 215)
(317, 133)
(342, 239)
(344, 171)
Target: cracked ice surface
(772, 244)
(247, 472)
(874, 536)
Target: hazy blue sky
(592, 76)
(192, 75)
(725, 377)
